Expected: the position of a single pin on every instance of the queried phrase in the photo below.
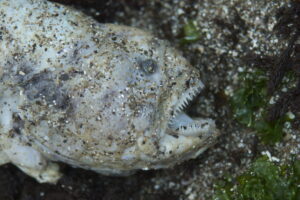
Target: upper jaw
(187, 97)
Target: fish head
(157, 85)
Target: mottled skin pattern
(97, 96)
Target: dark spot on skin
(187, 83)
(64, 77)
(110, 137)
(42, 87)
(18, 124)
(205, 124)
(175, 136)
(148, 66)
(33, 48)
(172, 112)
(73, 23)
(75, 72)
(75, 54)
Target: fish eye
(148, 66)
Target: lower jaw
(183, 124)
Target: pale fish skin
(103, 97)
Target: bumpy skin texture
(98, 96)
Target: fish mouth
(181, 123)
